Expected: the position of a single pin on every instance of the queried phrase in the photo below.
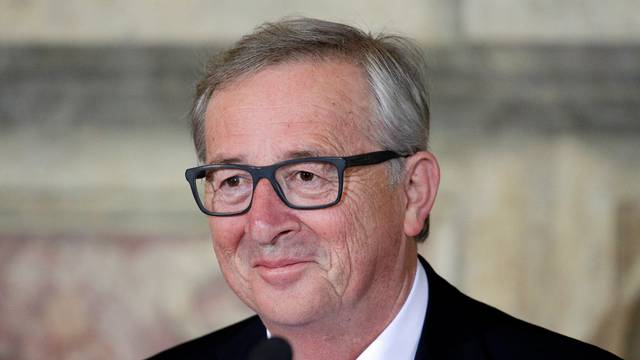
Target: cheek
(375, 209)
(379, 204)
(361, 207)
(226, 234)
(220, 226)
(343, 235)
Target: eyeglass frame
(269, 171)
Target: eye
(306, 176)
(232, 181)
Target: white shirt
(399, 340)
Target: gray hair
(393, 65)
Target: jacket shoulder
(232, 342)
(459, 327)
(506, 337)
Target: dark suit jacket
(456, 327)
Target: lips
(278, 263)
(281, 273)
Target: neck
(347, 333)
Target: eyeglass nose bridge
(268, 173)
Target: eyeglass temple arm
(371, 158)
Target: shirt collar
(400, 338)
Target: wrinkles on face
(320, 111)
(301, 137)
(378, 232)
(264, 119)
(239, 283)
(352, 250)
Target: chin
(297, 307)
(292, 316)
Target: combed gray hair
(394, 67)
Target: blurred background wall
(103, 254)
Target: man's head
(394, 69)
(308, 88)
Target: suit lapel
(445, 334)
(243, 340)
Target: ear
(422, 177)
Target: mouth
(281, 272)
(273, 264)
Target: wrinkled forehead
(312, 105)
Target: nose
(269, 218)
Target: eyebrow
(289, 155)
(232, 160)
(302, 154)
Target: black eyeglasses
(305, 184)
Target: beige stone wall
(151, 21)
(565, 21)
(430, 21)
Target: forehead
(317, 107)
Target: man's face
(294, 267)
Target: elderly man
(318, 186)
